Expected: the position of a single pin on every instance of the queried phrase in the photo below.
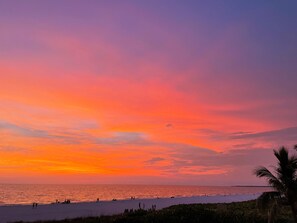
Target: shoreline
(61, 211)
(125, 199)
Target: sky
(145, 92)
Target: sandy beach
(87, 209)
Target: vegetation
(284, 180)
(240, 212)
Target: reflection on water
(27, 194)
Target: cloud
(14, 149)
(123, 138)
(23, 131)
(202, 170)
(191, 160)
(241, 139)
(240, 133)
(236, 157)
(284, 134)
(179, 155)
(210, 133)
(243, 145)
(60, 136)
(154, 160)
(166, 158)
(77, 136)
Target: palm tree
(284, 180)
(270, 202)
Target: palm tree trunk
(294, 211)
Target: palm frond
(287, 168)
(293, 161)
(272, 180)
(282, 155)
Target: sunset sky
(145, 92)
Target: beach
(61, 211)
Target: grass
(239, 212)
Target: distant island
(249, 186)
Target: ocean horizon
(20, 194)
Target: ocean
(44, 194)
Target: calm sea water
(27, 194)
